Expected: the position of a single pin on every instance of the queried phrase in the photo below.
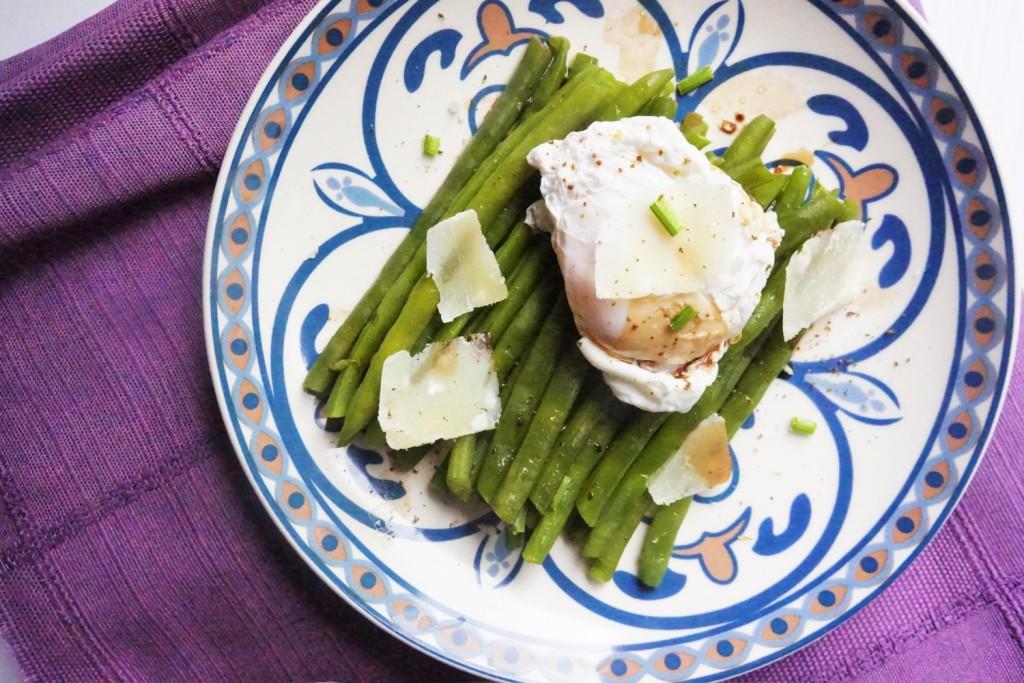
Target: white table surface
(977, 39)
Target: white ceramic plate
(324, 174)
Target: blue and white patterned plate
(325, 173)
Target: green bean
(553, 77)
(371, 334)
(408, 458)
(596, 405)
(766, 192)
(623, 450)
(492, 131)
(374, 438)
(415, 315)
(749, 391)
(439, 482)
(580, 62)
(520, 332)
(562, 504)
(514, 539)
(428, 335)
(460, 467)
(750, 143)
(519, 525)
(535, 266)
(751, 174)
(662, 106)
(661, 536)
(341, 392)
(851, 211)
(800, 224)
(768, 306)
(523, 399)
(512, 249)
(633, 98)
(794, 194)
(751, 170)
(602, 567)
(470, 450)
(695, 130)
(552, 411)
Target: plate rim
(916, 22)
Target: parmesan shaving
(463, 266)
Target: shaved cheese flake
(463, 266)
(701, 463)
(637, 256)
(447, 390)
(825, 275)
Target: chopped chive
(695, 80)
(684, 316)
(803, 426)
(431, 145)
(666, 216)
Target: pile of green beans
(564, 446)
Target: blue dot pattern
(250, 401)
(986, 271)
(296, 500)
(945, 116)
(934, 479)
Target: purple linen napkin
(131, 546)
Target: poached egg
(626, 277)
